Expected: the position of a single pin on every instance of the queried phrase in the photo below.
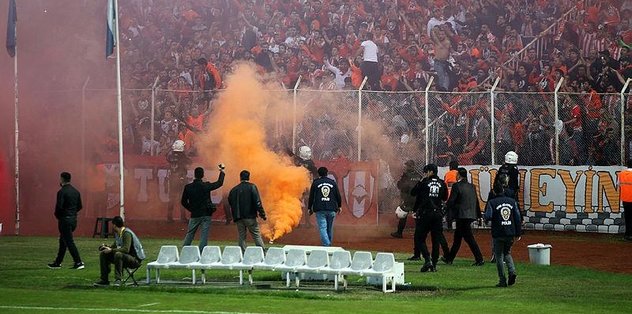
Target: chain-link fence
(543, 128)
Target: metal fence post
(426, 119)
(298, 82)
(557, 117)
(492, 121)
(153, 116)
(623, 101)
(360, 118)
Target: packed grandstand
(184, 49)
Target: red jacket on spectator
(211, 70)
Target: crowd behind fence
(556, 128)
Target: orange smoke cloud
(237, 137)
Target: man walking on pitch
(504, 214)
(431, 192)
(66, 208)
(625, 190)
(325, 201)
(463, 204)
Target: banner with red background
(147, 190)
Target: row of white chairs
(295, 262)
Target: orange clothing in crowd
(211, 69)
(625, 185)
(356, 76)
(450, 179)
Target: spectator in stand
(369, 65)
(535, 151)
(442, 46)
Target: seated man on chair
(125, 252)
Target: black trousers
(463, 231)
(627, 214)
(120, 261)
(66, 226)
(429, 222)
(372, 72)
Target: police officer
(406, 183)
(325, 201)
(625, 190)
(510, 169)
(304, 159)
(509, 172)
(178, 163)
(504, 214)
(430, 194)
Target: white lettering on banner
(143, 174)
(163, 194)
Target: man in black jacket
(431, 192)
(504, 214)
(245, 203)
(196, 198)
(464, 206)
(325, 201)
(66, 208)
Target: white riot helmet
(178, 146)
(401, 214)
(511, 158)
(305, 152)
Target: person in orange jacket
(625, 193)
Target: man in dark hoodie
(431, 192)
(326, 202)
(504, 215)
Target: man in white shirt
(369, 65)
(341, 73)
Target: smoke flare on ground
(237, 137)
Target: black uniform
(406, 183)
(430, 193)
(503, 212)
(311, 167)
(66, 208)
(514, 176)
(178, 162)
(464, 206)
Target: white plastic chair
(230, 257)
(211, 257)
(166, 257)
(383, 267)
(252, 256)
(362, 261)
(340, 260)
(190, 254)
(295, 258)
(275, 257)
(316, 262)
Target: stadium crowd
(186, 47)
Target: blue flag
(110, 40)
(11, 24)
